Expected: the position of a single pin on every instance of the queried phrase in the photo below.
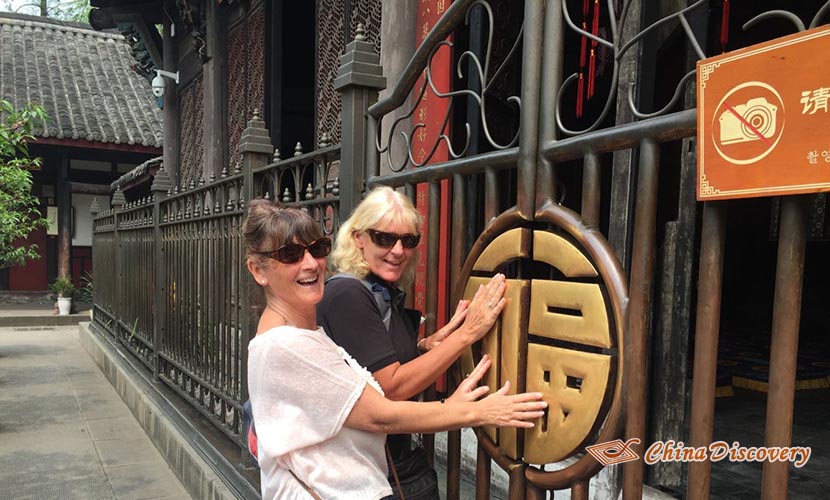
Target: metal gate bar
(637, 328)
(707, 331)
(786, 315)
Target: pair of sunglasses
(292, 253)
(388, 240)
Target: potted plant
(64, 288)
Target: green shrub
(63, 287)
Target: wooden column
(215, 122)
(171, 106)
(64, 195)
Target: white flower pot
(64, 305)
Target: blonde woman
(365, 315)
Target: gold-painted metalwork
(582, 319)
(574, 385)
(561, 254)
(511, 336)
(508, 245)
(490, 346)
(559, 335)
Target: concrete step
(39, 315)
(40, 321)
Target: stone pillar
(359, 79)
(118, 202)
(396, 24)
(255, 147)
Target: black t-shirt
(350, 315)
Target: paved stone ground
(741, 418)
(64, 432)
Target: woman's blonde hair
(382, 205)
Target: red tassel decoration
(724, 26)
(583, 54)
(592, 62)
(592, 73)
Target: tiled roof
(137, 172)
(81, 77)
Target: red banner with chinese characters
(427, 120)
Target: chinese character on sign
(826, 156)
(814, 100)
(422, 134)
(422, 114)
(812, 157)
(440, 6)
(425, 30)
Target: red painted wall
(32, 275)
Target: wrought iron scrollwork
(481, 71)
(619, 47)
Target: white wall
(83, 219)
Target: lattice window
(367, 12)
(256, 61)
(191, 127)
(246, 75)
(331, 42)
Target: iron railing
(184, 246)
(161, 291)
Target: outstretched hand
(499, 409)
(484, 309)
(503, 410)
(476, 316)
(452, 325)
(468, 390)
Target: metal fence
(179, 297)
(171, 284)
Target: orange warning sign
(763, 122)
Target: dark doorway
(290, 38)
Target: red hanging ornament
(592, 61)
(583, 54)
(592, 73)
(724, 26)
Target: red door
(31, 275)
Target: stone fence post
(359, 79)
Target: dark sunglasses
(294, 252)
(388, 240)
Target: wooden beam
(86, 188)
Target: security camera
(158, 85)
(158, 82)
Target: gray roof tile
(81, 77)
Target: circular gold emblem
(559, 334)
